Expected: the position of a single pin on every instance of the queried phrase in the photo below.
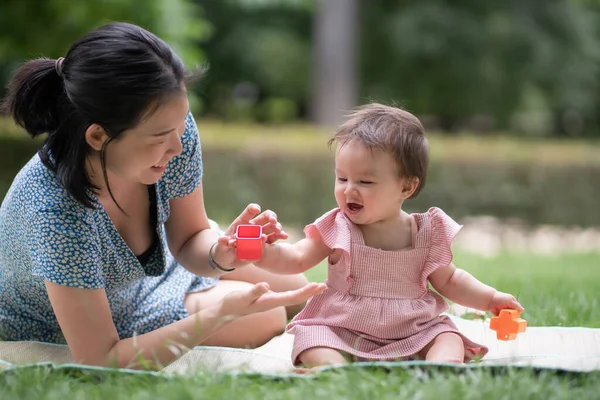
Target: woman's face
(141, 154)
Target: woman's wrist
(226, 311)
(213, 264)
(214, 317)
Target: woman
(104, 239)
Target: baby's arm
(461, 287)
(286, 258)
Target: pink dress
(378, 305)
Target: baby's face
(367, 186)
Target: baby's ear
(409, 186)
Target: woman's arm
(190, 237)
(86, 322)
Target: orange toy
(508, 324)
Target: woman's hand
(224, 252)
(502, 301)
(260, 298)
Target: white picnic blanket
(572, 349)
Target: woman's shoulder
(36, 187)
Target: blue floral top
(45, 234)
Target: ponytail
(35, 92)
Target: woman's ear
(95, 136)
(409, 186)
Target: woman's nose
(175, 146)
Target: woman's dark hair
(113, 76)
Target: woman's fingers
(247, 215)
(292, 297)
(260, 298)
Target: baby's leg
(447, 347)
(316, 357)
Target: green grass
(351, 383)
(304, 139)
(554, 290)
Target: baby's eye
(342, 179)
(366, 182)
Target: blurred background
(508, 92)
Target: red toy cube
(249, 242)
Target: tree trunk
(334, 67)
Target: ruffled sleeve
(335, 231)
(443, 230)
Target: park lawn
(554, 290)
(302, 139)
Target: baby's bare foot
(448, 360)
(308, 371)
(303, 371)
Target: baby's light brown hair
(392, 130)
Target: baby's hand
(224, 252)
(271, 227)
(502, 301)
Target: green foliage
(30, 29)
(262, 45)
(55, 24)
(301, 190)
(279, 110)
(458, 59)
(480, 65)
(510, 64)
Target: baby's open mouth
(354, 206)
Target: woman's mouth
(159, 167)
